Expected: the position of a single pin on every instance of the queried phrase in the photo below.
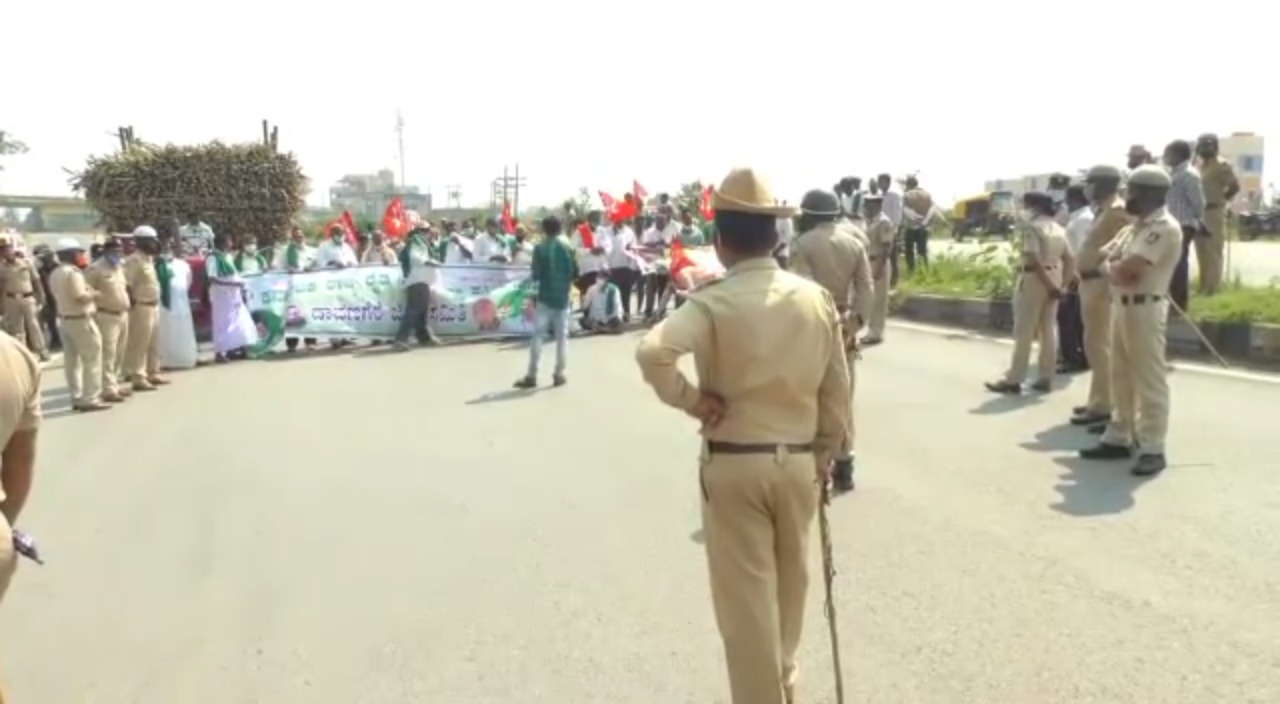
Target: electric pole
(506, 189)
(400, 139)
(453, 195)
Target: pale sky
(894, 87)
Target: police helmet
(821, 203)
(1103, 172)
(1150, 176)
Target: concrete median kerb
(1252, 343)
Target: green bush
(987, 274)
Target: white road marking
(1205, 369)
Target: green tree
(10, 146)
(690, 197)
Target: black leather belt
(74, 317)
(718, 447)
(20, 295)
(1090, 275)
(1137, 299)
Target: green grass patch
(990, 274)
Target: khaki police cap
(144, 232)
(1150, 176)
(1103, 172)
(68, 244)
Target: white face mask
(250, 248)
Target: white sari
(177, 327)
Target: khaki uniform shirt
(19, 391)
(108, 281)
(881, 233)
(1108, 221)
(1156, 238)
(1218, 177)
(770, 344)
(1045, 241)
(831, 255)
(71, 292)
(19, 278)
(140, 276)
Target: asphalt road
(1256, 263)
(386, 530)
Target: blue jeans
(558, 323)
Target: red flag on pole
(394, 221)
(508, 223)
(608, 202)
(639, 191)
(587, 236)
(708, 213)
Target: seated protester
(602, 306)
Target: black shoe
(1149, 465)
(1096, 429)
(1087, 417)
(559, 380)
(1003, 387)
(1043, 386)
(1106, 451)
(1077, 410)
(842, 476)
(527, 382)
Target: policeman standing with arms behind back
(1220, 188)
(831, 254)
(1102, 187)
(142, 355)
(1140, 262)
(23, 298)
(773, 400)
(1046, 262)
(81, 342)
(881, 233)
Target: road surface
(1256, 263)
(387, 530)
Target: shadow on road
(1095, 488)
(1005, 403)
(1060, 438)
(508, 395)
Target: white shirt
(523, 254)
(421, 269)
(484, 247)
(340, 253)
(197, 237)
(454, 253)
(280, 256)
(587, 262)
(892, 206)
(1078, 225)
(597, 304)
(786, 233)
(666, 235)
(617, 242)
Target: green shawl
(222, 267)
(292, 256)
(257, 258)
(164, 273)
(415, 240)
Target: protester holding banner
(378, 252)
(420, 274)
(232, 327)
(296, 256)
(178, 347)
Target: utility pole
(453, 195)
(400, 139)
(506, 189)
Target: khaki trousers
(880, 306)
(846, 448)
(8, 565)
(114, 328)
(757, 515)
(1035, 317)
(1210, 250)
(22, 320)
(1095, 310)
(142, 355)
(82, 360)
(1139, 376)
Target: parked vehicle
(984, 215)
(1259, 223)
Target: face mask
(1132, 206)
(114, 258)
(250, 248)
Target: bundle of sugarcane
(237, 189)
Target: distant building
(1243, 150)
(367, 195)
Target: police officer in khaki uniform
(23, 298)
(1140, 264)
(106, 277)
(1220, 187)
(1046, 262)
(830, 253)
(773, 400)
(81, 342)
(881, 235)
(142, 354)
(1102, 187)
(19, 428)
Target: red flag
(608, 202)
(394, 221)
(588, 237)
(344, 223)
(508, 224)
(639, 191)
(708, 213)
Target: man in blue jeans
(554, 268)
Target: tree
(10, 146)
